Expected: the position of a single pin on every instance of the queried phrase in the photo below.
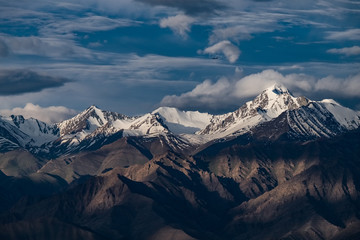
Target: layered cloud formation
(130, 55)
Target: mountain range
(279, 167)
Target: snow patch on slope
(347, 117)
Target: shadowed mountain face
(296, 190)
(279, 167)
(230, 190)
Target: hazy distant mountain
(279, 167)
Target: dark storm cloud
(190, 7)
(13, 82)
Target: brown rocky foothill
(279, 167)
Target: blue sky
(132, 56)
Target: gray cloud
(85, 24)
(244, 19)
(190, 7)
(44, 46)
(20, 81)
(4, 49)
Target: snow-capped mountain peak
(277, 89)
(91, 125)
(94, 127)
(88, 120)
(275, 100)
(269, 104)
(80, 122)
(149, 124)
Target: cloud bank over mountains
(222, 94)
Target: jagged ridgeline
(279, 167)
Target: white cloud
(349, 86)
(206, 95)
(225, 93)
(253, 84)
(4, 49)
(225, 47)
(350, 51)
(222, 94)
(351, 34)
(52, 114)
(179, 24)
